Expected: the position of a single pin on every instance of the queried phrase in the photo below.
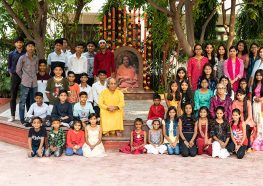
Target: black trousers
(185, 151)
(15, 85)
(241, 151)
(97, 110)
(90, 81)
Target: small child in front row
(239, 141)
(93, 135)
(156, 110)
(56, 140)
(155, 139)
(63, 110)
(204, 141)
(138, 139)
(170, 131)
(188, 132)
(36, 138)
(220, 132)
(75, 139)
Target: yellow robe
(111, 121)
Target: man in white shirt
(57, 58)
(65, 48)
(97, 88)
(78, 63)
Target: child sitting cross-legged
(37, 109)
(63, 110)
(56, 140)
(75, 139)
(36, 138)
(138, 139)
(93, 133)
(155, 139)
(83, 108)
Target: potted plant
(5, 92)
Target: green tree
(249, 24)
(202, 10)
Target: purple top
(216, 101)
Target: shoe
(65, 124)
(11, 119)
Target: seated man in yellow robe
(126, 74)
(111, 103)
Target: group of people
(224, 115)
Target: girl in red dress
(204, 141)
(138, 139)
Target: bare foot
(107, 134)
(119, 134)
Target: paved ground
(121, 169)
(133, 109)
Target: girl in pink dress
(257, 96)
(195, 66)
(138, 139)
(234, 68)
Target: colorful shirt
(74, 93)
(104, 61)
(54, 86)
(238, 134)
(56, 139)
(239, 105)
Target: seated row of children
(62, 110)
(87, 143)
(189, 136)
(184, 135)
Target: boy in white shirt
(78, 63)
(97, 88)
(84, 87)
(38, 109)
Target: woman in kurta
(195, 66)
(221, 99)
(234, 68)
(111, 103)
(203, 95)
(126, 74)
(253, 57)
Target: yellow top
(111, 121)
(171, 134)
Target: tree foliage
(249, 24)
(202, 11)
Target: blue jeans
(70, 152)
(34, 149)
(173, 150)
(25, 92)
